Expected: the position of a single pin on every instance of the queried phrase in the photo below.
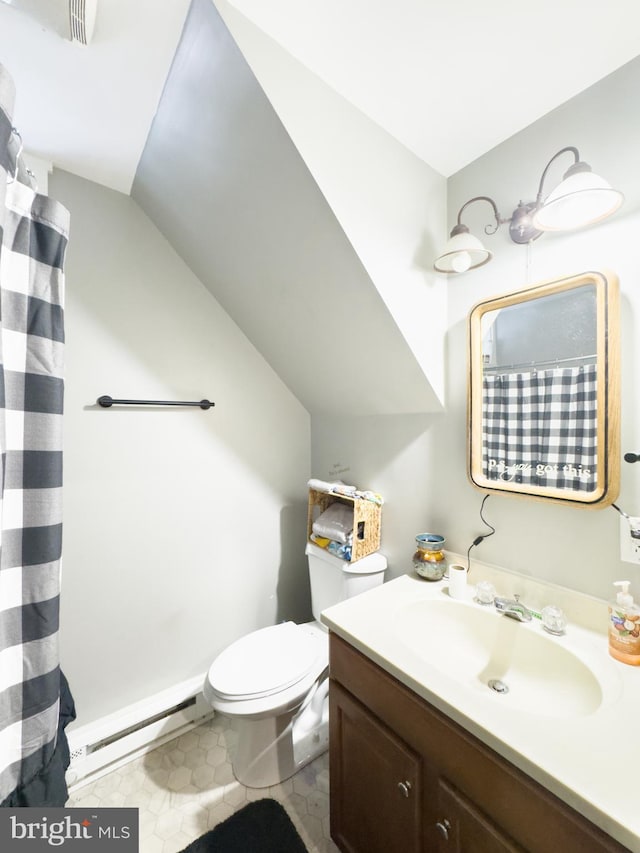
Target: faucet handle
(553, 620)
(485, 592)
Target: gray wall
(183, 528)
(419, 464)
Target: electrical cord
(634, 530)
(483, 536)
(621, 511)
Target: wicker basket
(366, 520)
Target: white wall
(419, 464)
(183, 528)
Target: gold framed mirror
(544, 391)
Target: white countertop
(589, 761)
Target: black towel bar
(106, 402)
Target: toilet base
(272, 749)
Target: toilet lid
(263, 662)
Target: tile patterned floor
(186, 787)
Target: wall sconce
(581, 198)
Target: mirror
(543, 396)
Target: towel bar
(106, 402)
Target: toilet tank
(334, 580)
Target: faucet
(512, 607)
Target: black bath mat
(261, 827)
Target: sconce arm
(460, 228)
(576, 161)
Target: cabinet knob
(443, 827)
(405, 788)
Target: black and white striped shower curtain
(540, 427)
(34, 232)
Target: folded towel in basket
(337, 488)
(336, 523)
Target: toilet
(274, 682)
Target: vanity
(425, 756)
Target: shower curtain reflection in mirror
(540, 428)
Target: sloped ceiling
(222, 180)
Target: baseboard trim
(110, 742)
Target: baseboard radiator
(108, 743)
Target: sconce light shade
(462, 252)
(581, 198)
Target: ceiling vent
(71, 19)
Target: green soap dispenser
(624, 626)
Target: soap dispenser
(624, 626)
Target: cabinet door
(463, 828)
(375, 782)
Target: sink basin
(505, 661)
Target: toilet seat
(264, 662)
(272, 681)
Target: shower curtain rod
(106, 402)
(532, 365)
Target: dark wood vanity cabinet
(377, 801)
(406, 779)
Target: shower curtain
(540, 427)
(34, 233)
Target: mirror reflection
(544, 393)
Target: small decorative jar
(428, 560)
